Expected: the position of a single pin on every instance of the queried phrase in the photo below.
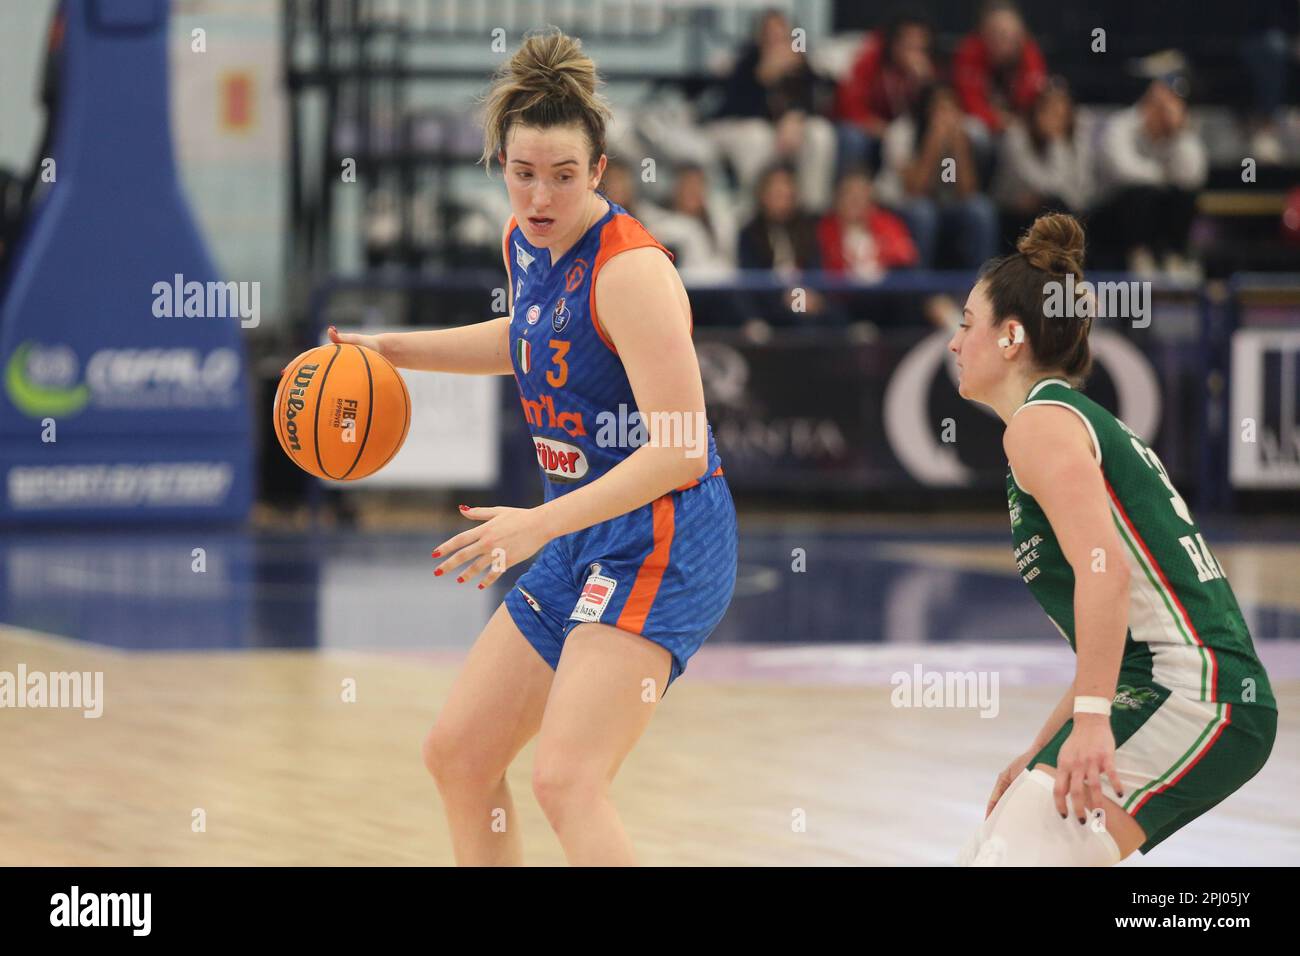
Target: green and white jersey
(1185, 630)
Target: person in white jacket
(1043, 166)
(1151, 162)
(699, 227)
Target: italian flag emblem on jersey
(524, 355)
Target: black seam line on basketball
(406, 397)
(370, 409)
(315, 434)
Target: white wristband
(1092, 705)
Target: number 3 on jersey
(1206, 565)
(1175, 499)
(559, 349)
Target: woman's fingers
(1092, 788)
(1076, 795)
(457, 556)
(1059, 789)
(484, 564)
(1113, 775)
(454, 544)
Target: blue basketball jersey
(575, 394)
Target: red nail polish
(435, 554)
(464, 507)
(480, 587)
(437, 571)
(460, 580)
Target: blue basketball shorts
(665, 571)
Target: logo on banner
(43, 380)
(1264, 404)
(595, 597)
(560, 317)
(915, 441)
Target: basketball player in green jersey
(1170, 710)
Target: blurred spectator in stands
(928, 175)
(1270, 44)
(619, 184)
(893, 67)
(698, 227)
(1150, 165)
(998, 70)
(770, 112)
(858, 237)
(1042, 166)
(781, 238)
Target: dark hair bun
(1054, 243)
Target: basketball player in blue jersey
(635, 542)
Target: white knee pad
(1025, 829)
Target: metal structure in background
(356, 62)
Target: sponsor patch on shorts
(594, 598)
(1132, 698)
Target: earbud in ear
(1017, 337)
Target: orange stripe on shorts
(651, 572)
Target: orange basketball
(341, 411)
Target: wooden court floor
(284, 771)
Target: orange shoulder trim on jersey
(505, 256)
(621, 234)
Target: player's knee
(563, 786)
(452, 759)
(436, 749)
(1027, 830)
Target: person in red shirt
(859, 238)
(891, 70)
(998, 70)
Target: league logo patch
(533, 314)
(594, 598)
(523, 258)
(560, 317)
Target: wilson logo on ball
(296, 403)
